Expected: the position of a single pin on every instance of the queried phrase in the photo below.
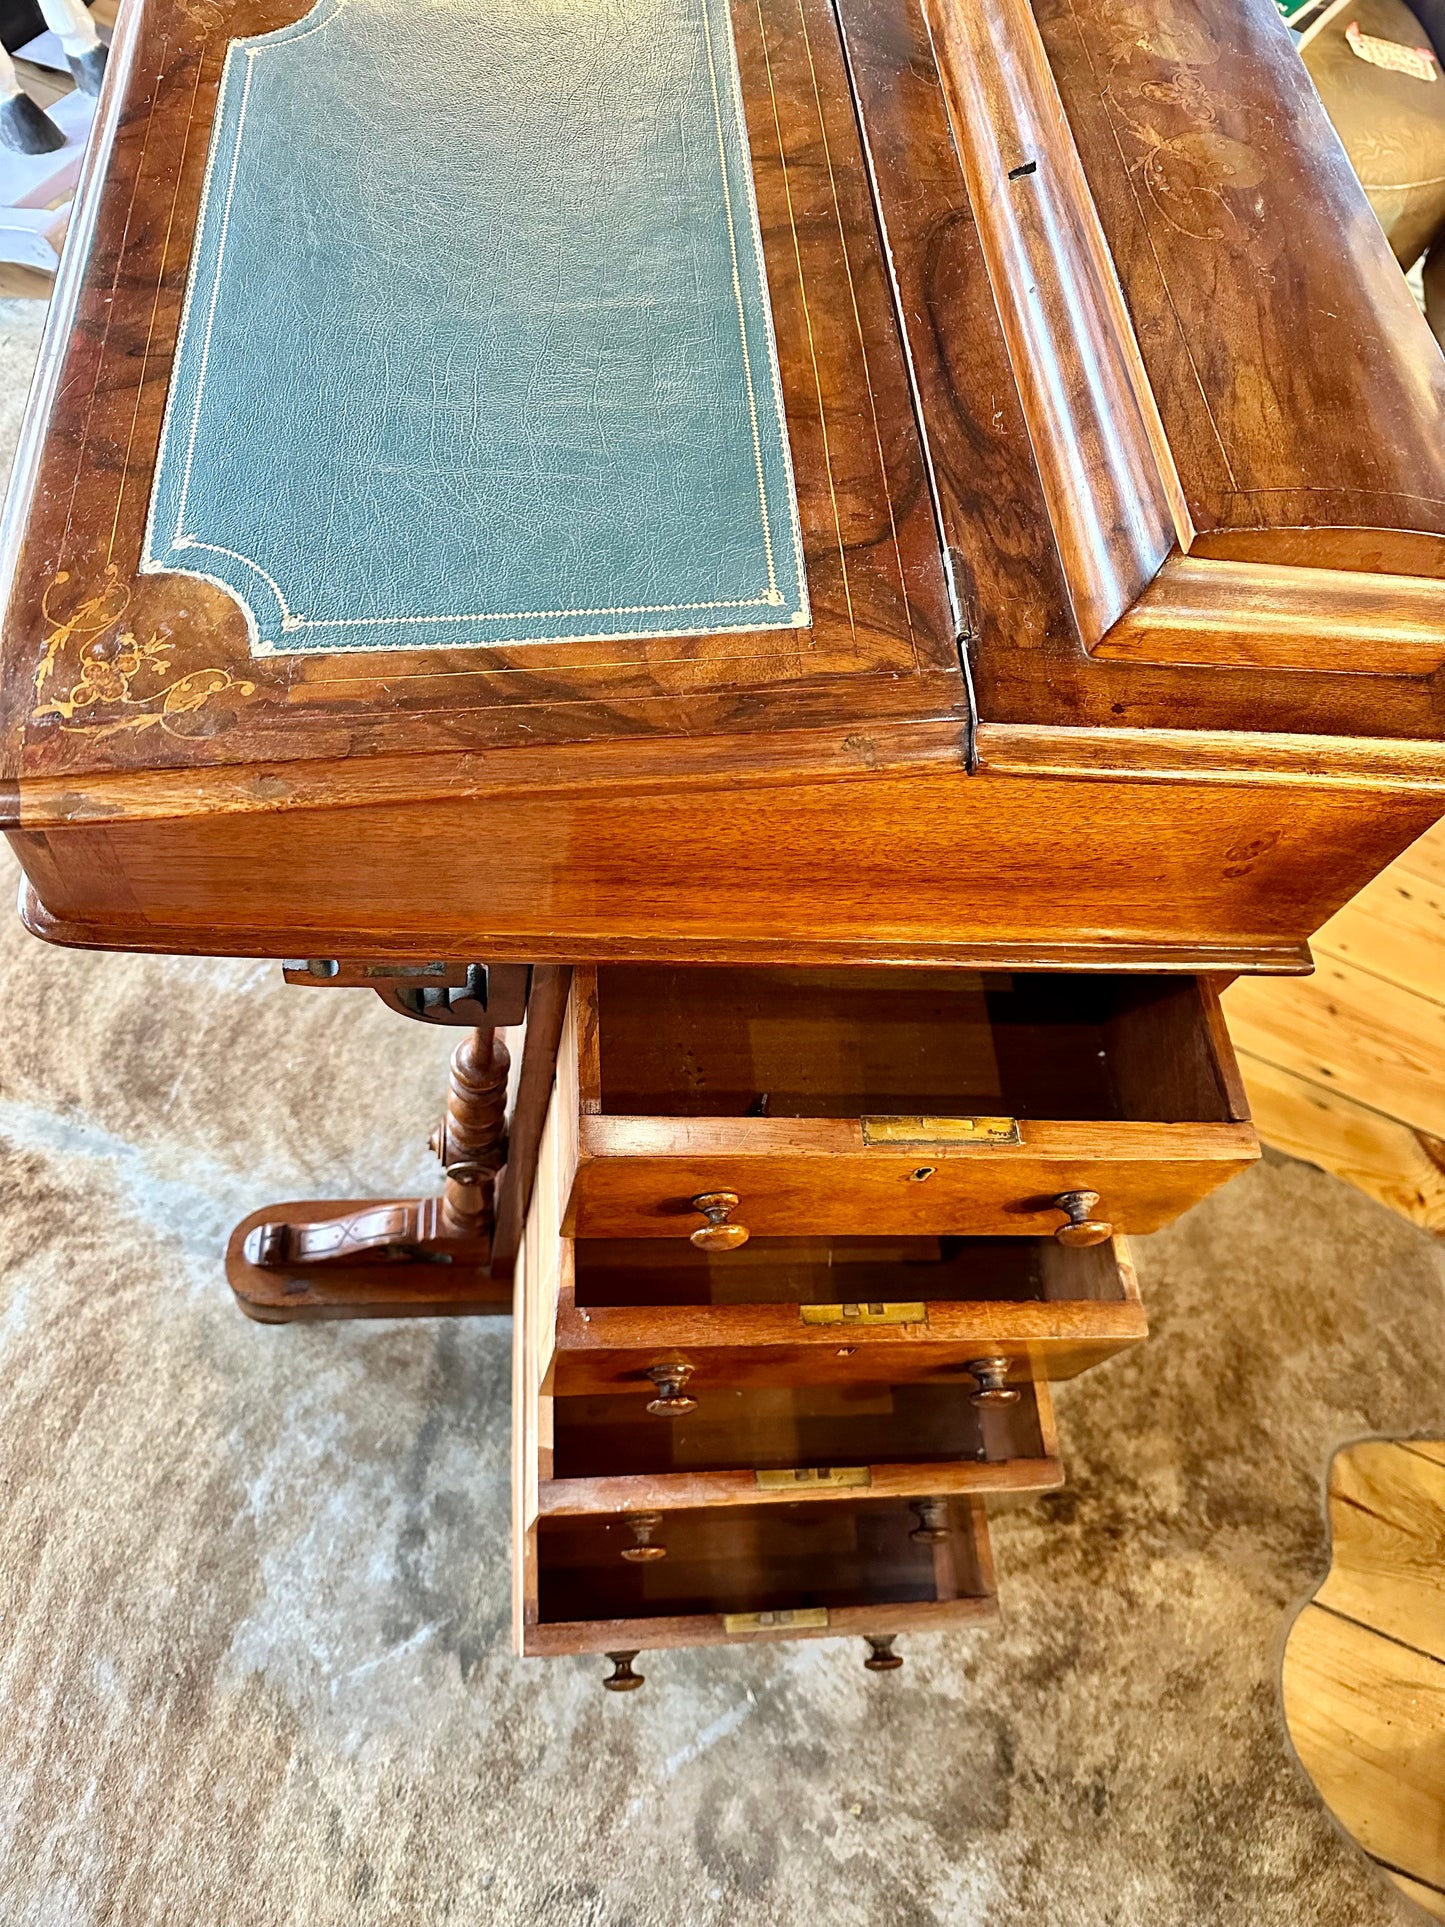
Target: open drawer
(836, 1311)
(618, 1452)
(739, 1574)
(767, 1444)
(922, 1102)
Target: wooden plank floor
(1347, 1068)
(1363, 1676)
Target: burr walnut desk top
(1040, 558)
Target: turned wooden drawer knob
(622, 1679)
(1081, 1229)
(881, 1656)
(717, 1234)
(643, 1552)
(932, 1527)
(993, 1385)
(671, 1401)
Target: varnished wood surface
(546, 1010)
(934, 866)
(882, 644)
(1243, 248)
(176, 795)
(1193, 97)
(658, 1633)
(1197, 610)
(110, 669)
(771, 1444)
(677, 1059)
(628, 1274)
(715, 1044)
(1364, 1664)
(737, 1319)
(395, 1290)
(612, 1350)
(1028, 666)
(1115, 505)
(853, 1561)
(657, 1492)
(637, 1177)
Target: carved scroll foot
(413, 1257)
(428, 1284)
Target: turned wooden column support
(409, 1257)
(471, 1139)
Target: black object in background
(20, 20)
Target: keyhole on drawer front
(924, 1172)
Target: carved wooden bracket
(443, 991)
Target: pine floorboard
(1347, 1068)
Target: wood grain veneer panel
(1027, 661)
(107, 669)
(637, 1177)
(870, 868)
(1115, 505)
(1267, 306)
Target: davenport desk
(832, 571)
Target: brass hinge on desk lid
(921, 1132)
(798, 1619)
(813, 1476)
(914, 1312)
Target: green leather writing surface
(477, 346)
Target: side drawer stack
(805, 1250)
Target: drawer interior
(830, 1271)
(695, 1041)
(748, 1559)
(783, 1427)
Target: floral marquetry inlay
(97, 675)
